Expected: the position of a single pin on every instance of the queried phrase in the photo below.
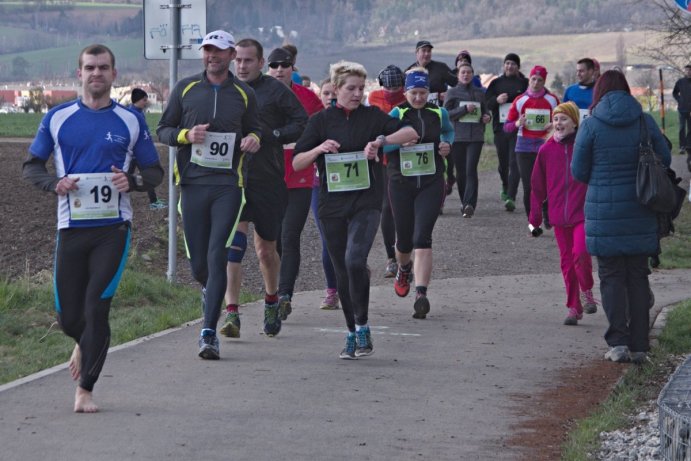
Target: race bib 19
(470, 117)
(536, 119)
(97, 197)
(216, 152)
(504, 111)
(418, 160)
(346, 172)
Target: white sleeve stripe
(56, 122)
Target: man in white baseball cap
(220, 39)
(213, 119)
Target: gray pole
(172, 192)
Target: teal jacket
(606, 158)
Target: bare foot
(83, 401)
(75, 364)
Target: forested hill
(40, 37)
(313, 24)
(320, 22)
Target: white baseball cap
(220, 39)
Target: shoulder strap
(645, 135)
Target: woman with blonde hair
(344, 140)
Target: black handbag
(654, 188)
(665, 221)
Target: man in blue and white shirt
(93, 141)
(581, 93)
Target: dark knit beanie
(463, 54)
(138, 94)
(391, 77)
(513, 57)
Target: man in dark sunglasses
(299, 185)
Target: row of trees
(365, 21)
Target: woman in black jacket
(345, 140)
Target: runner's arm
(34, 170)
(447, 131)
(452, 106)
(491, 96)
(152, 176)
(295, 116)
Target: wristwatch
(382, 140)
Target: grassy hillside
(553, 50)
(556, 52)
(62, 61)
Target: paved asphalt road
(438, 389)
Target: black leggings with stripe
(88, 266)
(209, 214)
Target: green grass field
(30, 340)
(25, 125)
(62, 61)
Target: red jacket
(304, 178)
(377, 98)
(525, 102)
(552, 181)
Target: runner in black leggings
(217, 114)
(93, 142)
(416, 186)
(351, 189)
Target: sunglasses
(276, 65)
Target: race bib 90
(216, 151)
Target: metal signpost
(173, 30)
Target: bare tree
(674, 45)
(158, 79)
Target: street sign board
(684, 5)
(157, 33)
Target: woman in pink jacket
(551, 180)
